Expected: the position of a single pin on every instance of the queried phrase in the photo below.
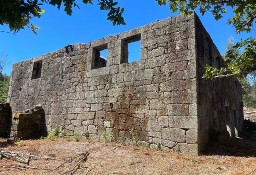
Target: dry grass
(113, 158)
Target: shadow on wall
(242, 146)
(30, 124)
(5, 120)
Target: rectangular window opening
(37, 69)
(100, 55)
(131, 49)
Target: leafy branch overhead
(244, 10)
(244, 15)
(17, 14)
(236, 64)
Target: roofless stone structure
(160, 99)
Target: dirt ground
(236, 157)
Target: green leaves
(87, 2)
(55, 2)
(115, 13)
(238, 63)
(4, 86)
(243, 19)
(18, 13)
(244, 11)
(68, 6)
(161, 2)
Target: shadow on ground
(244, 146)
(6, 142)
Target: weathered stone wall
(29, 124)
(220, 105)
(5, 120)
(152, 100)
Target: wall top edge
(83, 46)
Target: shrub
(53, 134)
(76, 137)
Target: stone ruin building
(161, 99)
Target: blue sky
(89, 23)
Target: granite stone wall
(29, 124)
(154, 100)
(220, 106)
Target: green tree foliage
(244, 15)
(244, 10)
(4, 86)
(17, 14)
(4, 79)
(249, 93)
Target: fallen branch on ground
(76, 160)
(22, 157)
(24, 167)
(16, 156)
(69, 166)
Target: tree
(4, 79)
(18, 13)
(244, 15)
(4, 87)
(249, 93)
(236, 65)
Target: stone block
(180, 97)
(153, 104)
(70, 127)
(107, 124)
(79, 130)
(75, 110)
(100, 114)
(154, 134)
(101, 93)
(89, 115)
(156, 140)
(191, 136)
(153, 126)
(148, 74)
(169, 144)
(191, 149)
(186, 122)
(193, 109)
(88, 122)
(180, 109)
(96, 107)
(92, 129)
(173, 134)
(163, 121)
(76, 122)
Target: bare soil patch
(111, 158)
